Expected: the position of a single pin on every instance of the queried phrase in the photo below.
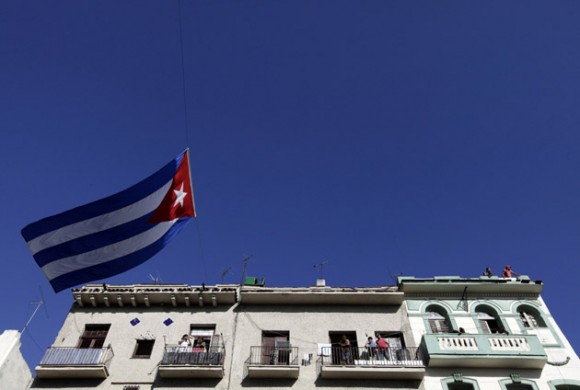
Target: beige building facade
(131, 337)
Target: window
(94, 336)
(460, 386)
(203, 337)
(275, 347)
(438, 319)
(530, 317)
(517, 383)
(567, 387)
(340, 354)
(459, 382)
(519, 386)
(143, 349)
(394, 339)
(489, 321)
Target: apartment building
(488, 333)
(445, 333)
(132, 337)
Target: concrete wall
(14, 372)
(241, 327)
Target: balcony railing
(192, 362)
(273, 356)
(273, 362)
(374, 356)
(63, 362)
(372, 363)
(487, 350)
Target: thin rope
(186, 119)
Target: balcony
(192, 362)
(68, 362)
(273, 362)
(484, 350)
(372, 363)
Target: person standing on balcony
(371, 347)
(383, 346)
(345, 352)
(184, 343)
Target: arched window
(531, 317)
(517, 383)
(564, 384)
(519, 386)
(458, 382)
(438, 319)
(489, 321)
(460, 386)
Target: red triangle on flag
(178, 202)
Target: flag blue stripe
(93, 241)
(119, 265)
(106, 205)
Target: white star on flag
(180, 196)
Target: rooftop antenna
(224, 273)
(320, 267)
(38, 304)
(245, 262)
(156, 279)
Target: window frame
(137, 345)
(504, 383)
(95, 335)
(445, 382)
(433, 310)
(485, 309)
(554, 384)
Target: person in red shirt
(508, 272)
(383, 346)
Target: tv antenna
(156, 279)
(38, 304)
(224, 273)
(320, 267)
(245, 262)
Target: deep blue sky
(423, 138)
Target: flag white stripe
(107, 253)
(100, 222)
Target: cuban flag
(114, 234)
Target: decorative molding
(562, 363)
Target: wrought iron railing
(372, 356)
(197, 356)
(278, 356)
(71, 356)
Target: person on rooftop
(508, 272)
(488, 272)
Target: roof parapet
(483, 284)
(154, 295)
